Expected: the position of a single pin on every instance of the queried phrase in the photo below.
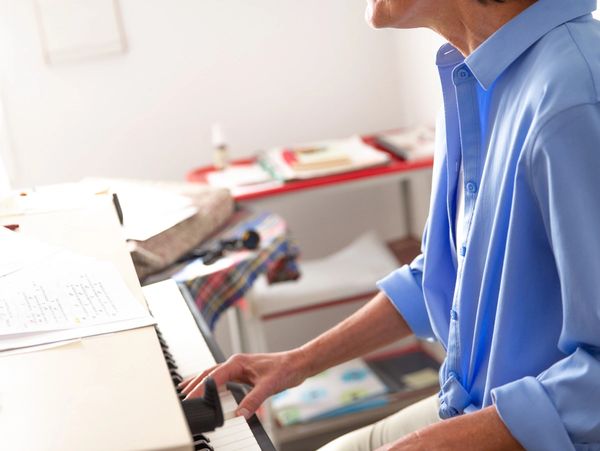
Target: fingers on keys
(193, 381)
(253, 400)
(230, 371)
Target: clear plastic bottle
(221, 151)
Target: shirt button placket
(467, 104)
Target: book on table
(321, 159)
(358, 385)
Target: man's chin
(371, 19)
(375, 24)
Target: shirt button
(446, 412)
(453, 314)
(453, 374)
(461, 75)
(463, 250)
(471, 187)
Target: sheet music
(65, 297)
(47, 297)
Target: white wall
(4, 180)
(273, 71)
(6, 167)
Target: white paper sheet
(65, 297)
(147, 210)
(59, 197)
(17, 251)
(40, 348)
(239, 175)
(17, 342)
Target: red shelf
(395, 166)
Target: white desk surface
(110, 392)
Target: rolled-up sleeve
(560, 408)
(404, 288)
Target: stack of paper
(312, 158)
(64, 196)
(409, 144)
(322, 158)
(148, 209)
(49, 295)
(238, 175)
(242, 179)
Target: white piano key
(242, 445)
(232, 431)
(228, 403)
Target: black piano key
(202, 446)
(169, 358)
(172, 365)
(201, 442)
(201, 437)
(205, 413)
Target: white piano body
(109, 392)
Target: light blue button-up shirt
(520, 319)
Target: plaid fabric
(276, 257)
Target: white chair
(288, 314)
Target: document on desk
(64, 297)
(16, 251)
(148, 208)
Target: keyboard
(187, 353)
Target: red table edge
(396, 165)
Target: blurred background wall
(272, 71)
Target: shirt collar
(448, 56)
(501, 49)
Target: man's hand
(266, 373)
(479, 431)
(375, 325)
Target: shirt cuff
(530, 415)
(406, 294)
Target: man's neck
(470, 23)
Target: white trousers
(390, 429)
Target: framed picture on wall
(75, 30)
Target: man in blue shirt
(509, 278)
